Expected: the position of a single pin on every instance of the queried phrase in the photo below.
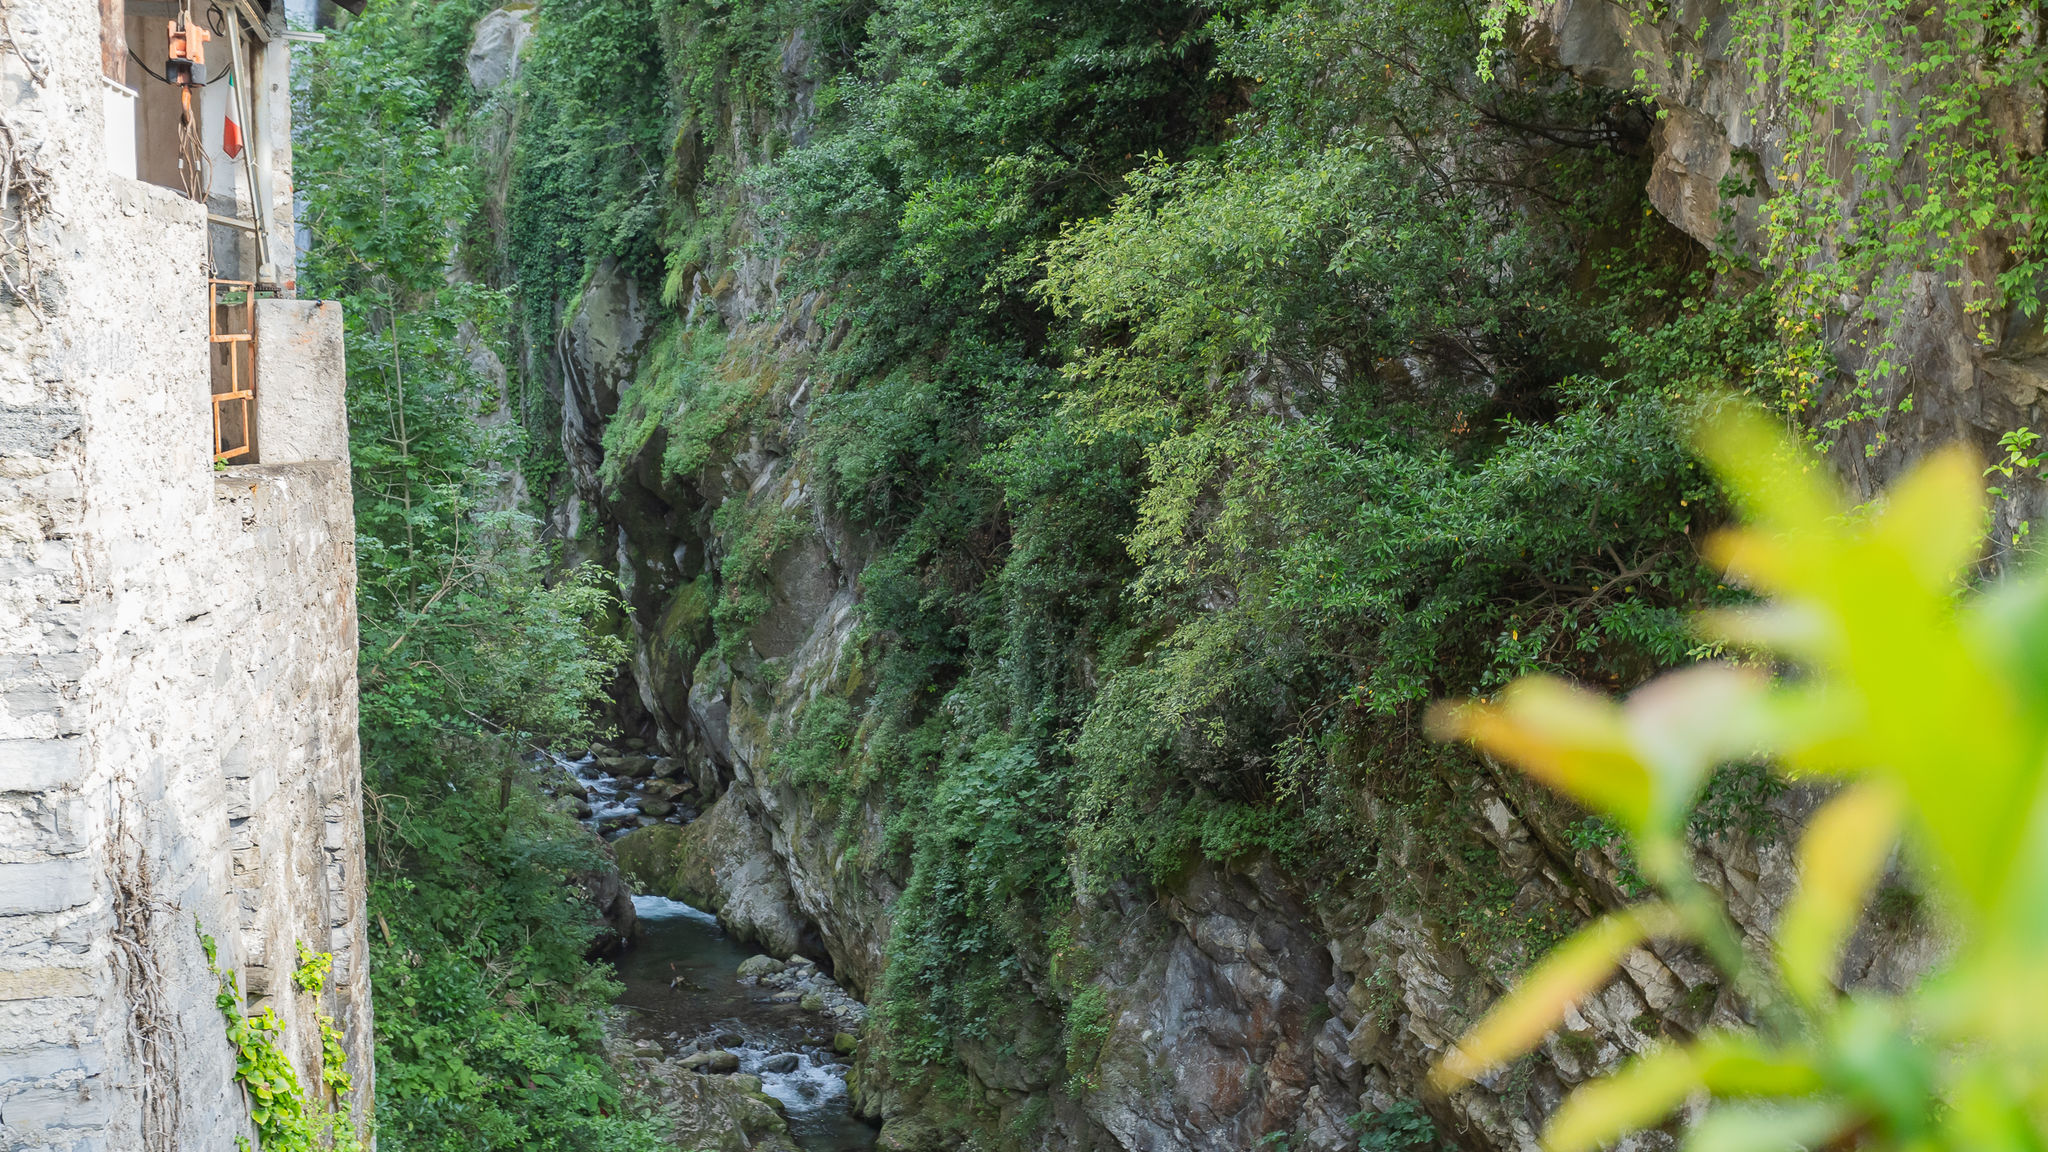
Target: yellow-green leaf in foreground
(1641, 762)
(1636, 1097)
(1574, 970)
(1569, 738)
(1788, 1127)
(1840, 858)
(1652, 1086)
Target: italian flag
(231, 132)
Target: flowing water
(682, 989)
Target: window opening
(196, 67)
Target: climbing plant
(286, 1120)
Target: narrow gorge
(1033, 465)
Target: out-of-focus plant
(1930, 707)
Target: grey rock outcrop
(721, 862)
(493, 58)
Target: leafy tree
(489, 1014)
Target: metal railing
(231, 346)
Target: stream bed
(683, 989)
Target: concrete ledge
(301, 376)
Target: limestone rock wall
(177, 665)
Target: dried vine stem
(151, 1032)
(24, 194)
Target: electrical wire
(196, 169)
(158, 76)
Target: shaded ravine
(682, 990)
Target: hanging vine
(24, 192)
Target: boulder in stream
(754, 967)
(716, 1062)
(721, 862)
(713, 1113)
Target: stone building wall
(177, 658)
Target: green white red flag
(231, 132)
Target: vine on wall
(286, 1119)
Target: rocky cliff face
(1234, 1001)
(1240, 1001)
(1721, 140)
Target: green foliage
(489, 1016)
(1208, 413)
(1402, 1127)
(1207, 417)
(311, 974)
(333, 1060)
(284, 1118)
(1898, 171)
(679, 393)
(1926, 705)
(1088, 1026)
(595, 113)
(473, 644)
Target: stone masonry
(177, 651)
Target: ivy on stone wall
(285, 1117)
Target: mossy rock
(649, 856)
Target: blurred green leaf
(1841, 856)
(1576, 969)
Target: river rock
(781, 1062)
(722, 862)
(811, 1002)
(759, 966)
(730, 1039)
(845, 1043)
(612, 899)
(655, 807)
(716, 1063)
(668, 767)
(711, 1113)
(786, 997)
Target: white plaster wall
(177, 671)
